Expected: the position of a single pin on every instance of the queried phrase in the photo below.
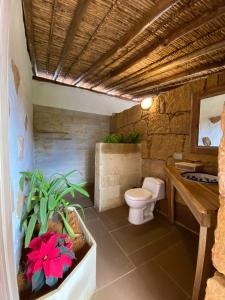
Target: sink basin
(200, 177)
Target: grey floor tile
(147, 282)
(115, 218)
(180, 261)
(133, 237)
(154, 249)
(111, 262)
(90, 214)
(81, 200)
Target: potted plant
(59, 252)
(133, 137)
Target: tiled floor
(154, 261)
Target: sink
(200, 177)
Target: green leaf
(43, 210)
(50, 214)
(68, 227)
(65, 205)
(21, 182)
(30, 229)
(52, 202)
(80, 190)
(38, 280)
(28, 174)
(66, 192)
(51, 281)
(24, 218)
(54, 184)
(29, 198)
(36, 208)
(43, 229)
(24, 224)
(83, 183)
(68, 174)
(43, 215)
(80, 207)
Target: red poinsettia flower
(51, 254)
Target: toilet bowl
(141, 201)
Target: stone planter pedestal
(117, 169)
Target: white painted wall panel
(54, 95)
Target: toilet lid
(138, 194)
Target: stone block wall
(117, 169)
(65, 140)
(165, 128)
(216, 285)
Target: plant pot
(80, 284)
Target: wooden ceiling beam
(180, 78)
(27, 11)
(185, 29)
(75, 22)
(54, 5)
(165, 88)
(156, 12)
(184, 59)
(92, 37)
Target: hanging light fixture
(146, 103)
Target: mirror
(209, 131)
(206, 131)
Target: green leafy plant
(134, 137)
(113, 138)
(46, 198)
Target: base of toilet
(138, 216)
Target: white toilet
(141, 201)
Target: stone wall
(117, 169)
(166, 128)
(216, 285)
(65, 140)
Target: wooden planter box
(80, 284)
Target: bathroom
(128, 96)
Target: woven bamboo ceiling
(126, 48)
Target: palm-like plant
(45, 198)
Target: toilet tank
(156, 186)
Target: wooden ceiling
(127, 48)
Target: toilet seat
(138, 194)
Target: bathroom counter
(203, 201)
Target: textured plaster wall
(117, 169)
(53, 95)
(20, 122)
(65, 140)
(166, 128)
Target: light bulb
(146, 103)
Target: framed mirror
(206, 131)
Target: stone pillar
(216, 285)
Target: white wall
(71, 98)
(20, 123)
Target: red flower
(51, 254)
